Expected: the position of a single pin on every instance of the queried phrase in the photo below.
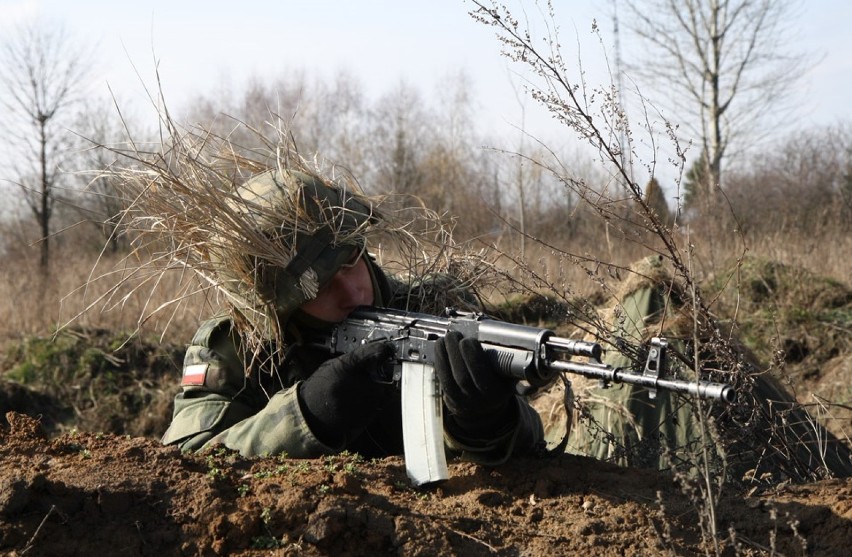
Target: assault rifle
(531, 355)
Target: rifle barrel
(703, 389)
(590, 350)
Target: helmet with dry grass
(297, 230)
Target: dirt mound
(800, 324)
(89, 494)
(92, 380)
(788, 315)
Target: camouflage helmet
(301, 230)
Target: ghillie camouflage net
(188, 211)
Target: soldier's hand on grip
(479, 402)
(340, 398)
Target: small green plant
(279, 470)
(266, 542)
(302, 467)
(330, 464)
(346, 461)
(213, 470)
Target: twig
(473, 538)
(35, 534)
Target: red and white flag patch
(194, 375)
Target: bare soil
(102, 494)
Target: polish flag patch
(194, 375)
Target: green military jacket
(248, 403)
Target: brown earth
(102, 494)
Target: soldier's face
(349, 288)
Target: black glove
(479, 401)
(340, 398)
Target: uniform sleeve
(525, 439)
(218, 406)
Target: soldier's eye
(357, 252)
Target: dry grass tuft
(194, 236)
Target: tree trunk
(44, 210)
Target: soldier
(252, 381)
(767, 434)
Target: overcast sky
(201, 44)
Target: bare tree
(44, 73)
(656, 201)
(100, 136)
(327, 116)
(723, 64)
(799, 187)
(400, 130)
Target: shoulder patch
(194, 375)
